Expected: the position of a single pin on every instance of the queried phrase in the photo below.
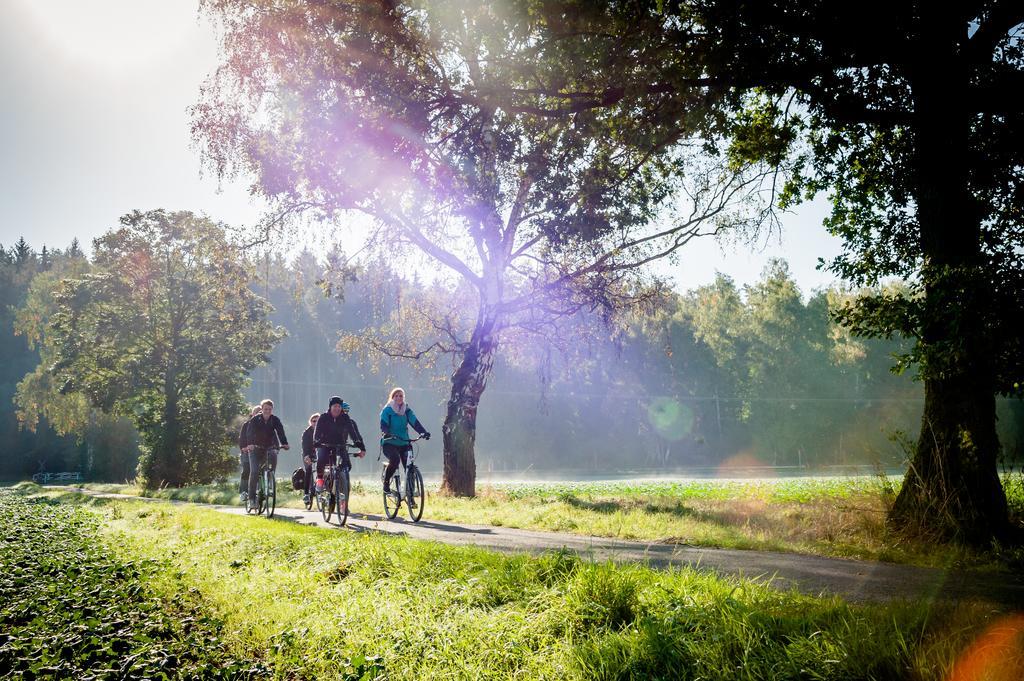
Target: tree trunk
(166, 466)
(952, 489)
(468, 383)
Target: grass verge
(839, 517)
(309, 602)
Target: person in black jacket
(308, 454)
(334, 427)
(264, 433)
(243, 455)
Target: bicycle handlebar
(324, 445)
(388, 436)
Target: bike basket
(299, 479)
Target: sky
(94, 124)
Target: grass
(315, 603)
(840, 517)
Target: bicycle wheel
(343, 490)
(321, 503)
(392, 498)
(326, 498)
(271, 493)
(414, 493)
(261, 494)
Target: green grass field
(841, 517)
(304, 602)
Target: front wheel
(415, 494)
(325, 500)
(342, 493)
(392, 497)
(261, 494)
(271, 502)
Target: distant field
(832, 516)
(293, 601)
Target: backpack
(299, 479)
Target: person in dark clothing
(334, 427)
(243, 455)
(308, 454)
(264, 433)
(395, 419)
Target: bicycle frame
(405, 491)
(263, 473)
(331, 497)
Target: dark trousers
(243, 483)
(256, 458)
(308, 467)
(395, 453)
(324, 457)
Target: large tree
(163, 330)
(433, 119)
(907, 114)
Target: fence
(43, 478)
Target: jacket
(307, 443)
(261, 432)
(398, 426)
(331, 431)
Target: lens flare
(743, 463)
(671, 419)
(996, 655)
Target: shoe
(305, 499)
(319, 485)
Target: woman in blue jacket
(395, 419)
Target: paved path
(854, 580)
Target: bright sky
(93, 124)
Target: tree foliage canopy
(436, 119)
(164, 331)
(908, 115)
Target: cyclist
(243, 455)
(264, 432)
(395, 419)
(308, 454)
(334, 427)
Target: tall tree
(913, 126)
(22, 253)
(907, 114)
(433, 119)
(164, 331)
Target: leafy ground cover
(316, 603)
(842, 517)
(69, 608)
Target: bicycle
(266, 487)
(414, 494)
(333, 498)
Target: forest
(722, 379)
